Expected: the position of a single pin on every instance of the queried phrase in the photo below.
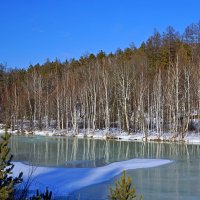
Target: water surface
(179, 180)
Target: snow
(2, 131)
(44, 133)
(62, 181)
(193, 138)
(114, 133)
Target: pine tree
(42, 196)
(123, 189)
(7, 182)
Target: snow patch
(62, 181)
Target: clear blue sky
(33, 30)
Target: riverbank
(190, 138)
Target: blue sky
(34, 30)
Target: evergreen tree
(42, 196)
(7, 182)
(123, 189)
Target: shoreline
(115, 134)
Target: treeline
(155, 87)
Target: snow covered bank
(114, 133)
(62, 181)
(190, 138)
(193, 139)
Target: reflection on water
(179, 180)
(75, 152)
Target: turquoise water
(179, 180)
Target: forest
(151, 88)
